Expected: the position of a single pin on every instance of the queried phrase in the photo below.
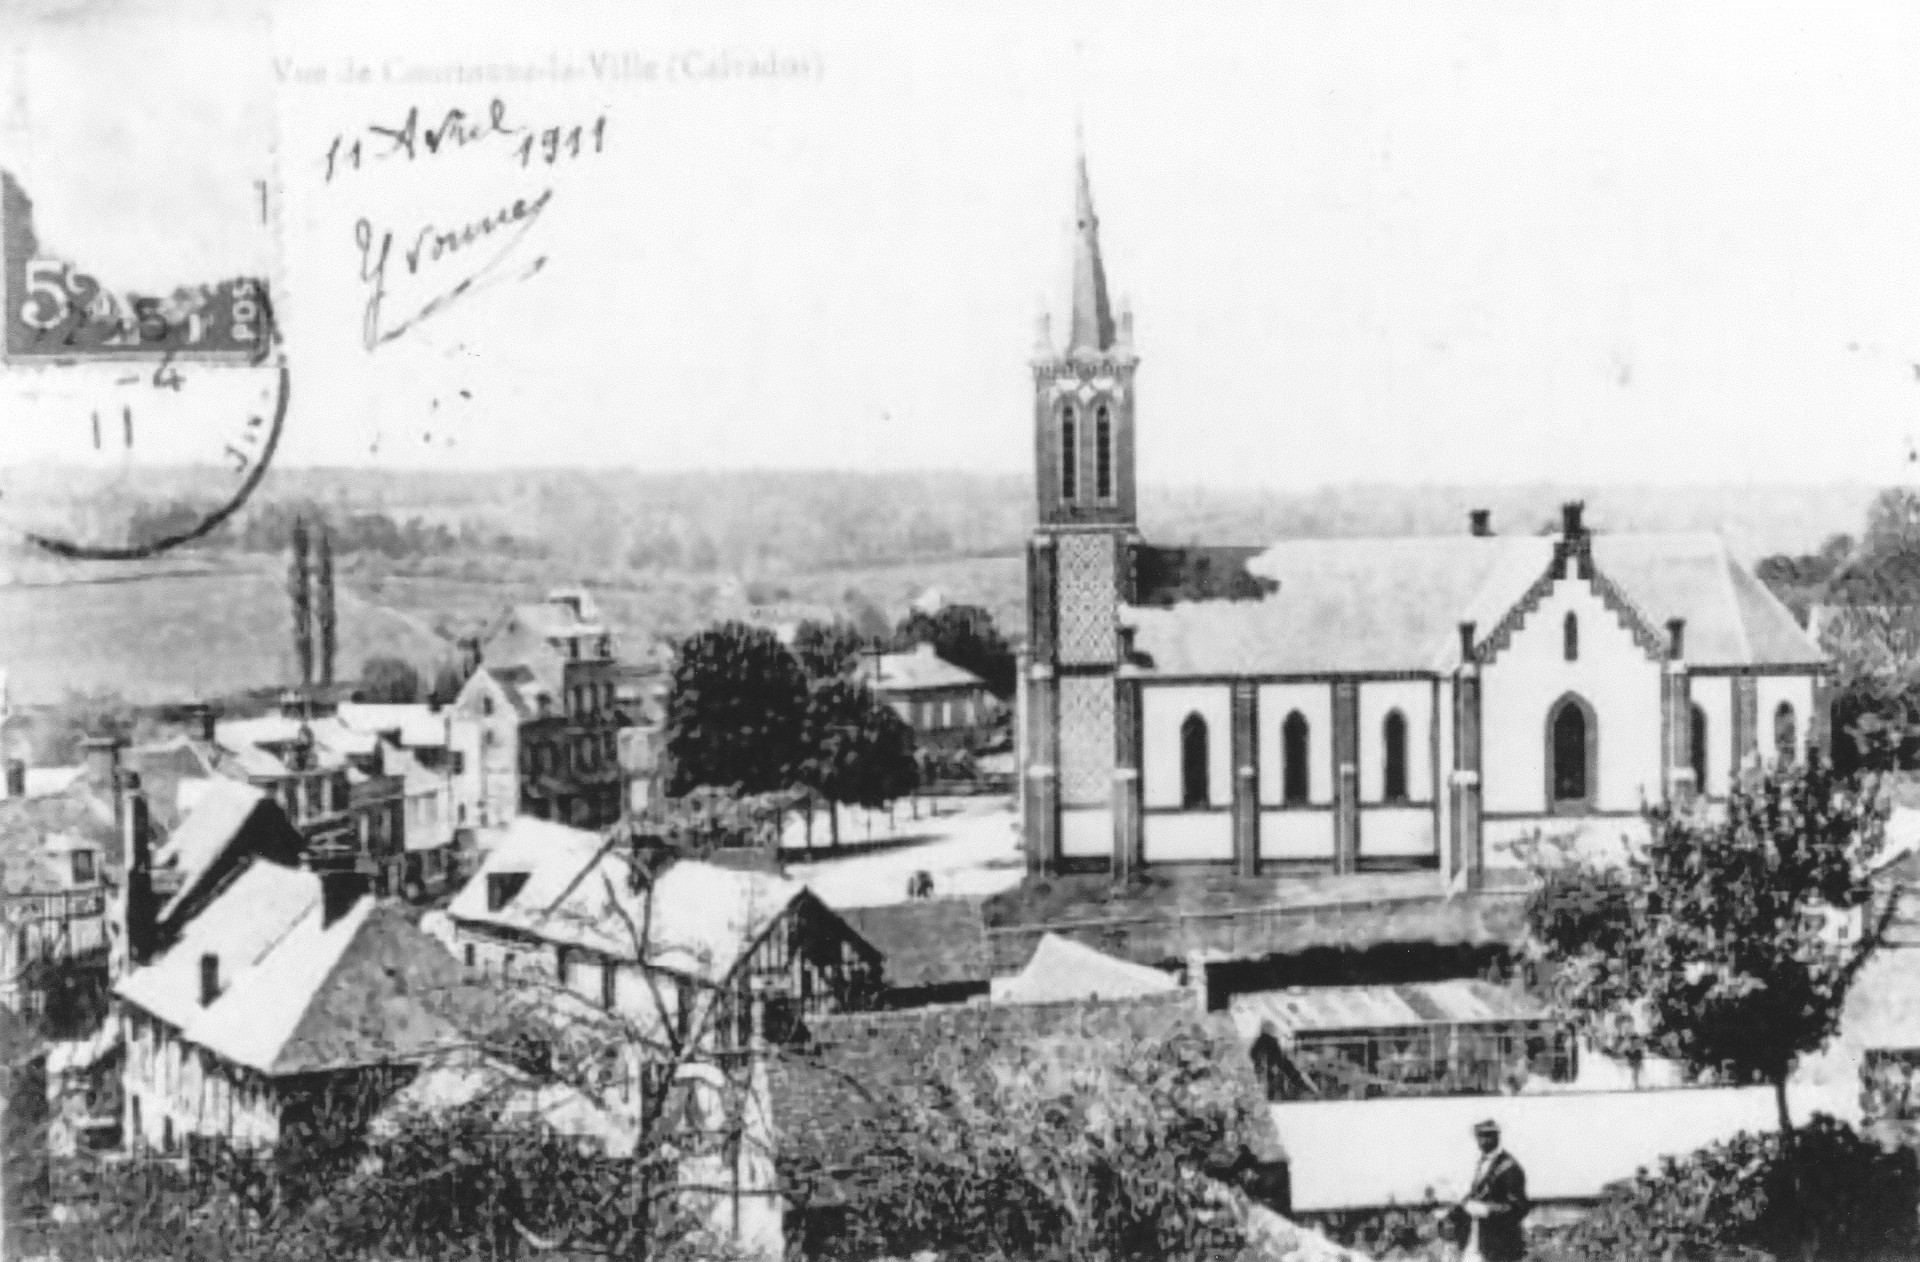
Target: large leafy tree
(1717, 946)
(964, 635)
(389, 680)
(735, 711)
(828, 650)
(858, 752)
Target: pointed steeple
(1092, 326)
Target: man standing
(1497, 1200)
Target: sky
(1374, 241)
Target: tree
(388, 680)
(448, 680)
(1715, 947)
(965, 636)
(297, 591)
(857, 751)
(735, 711)
(828, 649)
(326, 613)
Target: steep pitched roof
(1091, 327)
(1385, 605)
(933, 942)
(301, 994)
(225, 813)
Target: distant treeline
(794, 522)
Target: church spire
(1092, 325)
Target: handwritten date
(412, 140)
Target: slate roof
(223, 812)
(932, 942)
(1386, 605)
(921, 670)
(830, 1094)
(299, 994)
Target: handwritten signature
(432, 245)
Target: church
(1363, 705)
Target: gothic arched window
(1697, 751)
(1570, 638)
(1295, 775)
(1785, 733)
(1571, 753)
(1069, 454)
(1193, 763)
(1103, 454)
(1393, 735)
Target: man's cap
(1488, 1127)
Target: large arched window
(1698, 754)
(1570, 637)
(1785, 732)
(1069, 454)
(1296, 776)
(1103, 454)
(1393, 736)
(1572, 745)
(1193, 762)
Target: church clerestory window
(1193, 763)
(1069, 455)
(1785, 732)
(1394, 738)
(1296, 775)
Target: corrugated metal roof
(1328, 1009)
(1376, 605)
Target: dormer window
(83, 870)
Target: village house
(541, 719)
(664, 943)
(947, 706)
(260, 994)
(418, 744)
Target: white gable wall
(1613, 675)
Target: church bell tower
(1076, 730)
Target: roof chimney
(1480, 521)
(137, 848)
(340, 888)
(209, 978)
(1677, 639)
(201, 719)
(100, 755)
(1570, 524)
(16, 778)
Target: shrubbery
(1857, 1202)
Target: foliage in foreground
(1072, 1147)
(1730, 1200)
(462, 1186)
(1715, 947)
